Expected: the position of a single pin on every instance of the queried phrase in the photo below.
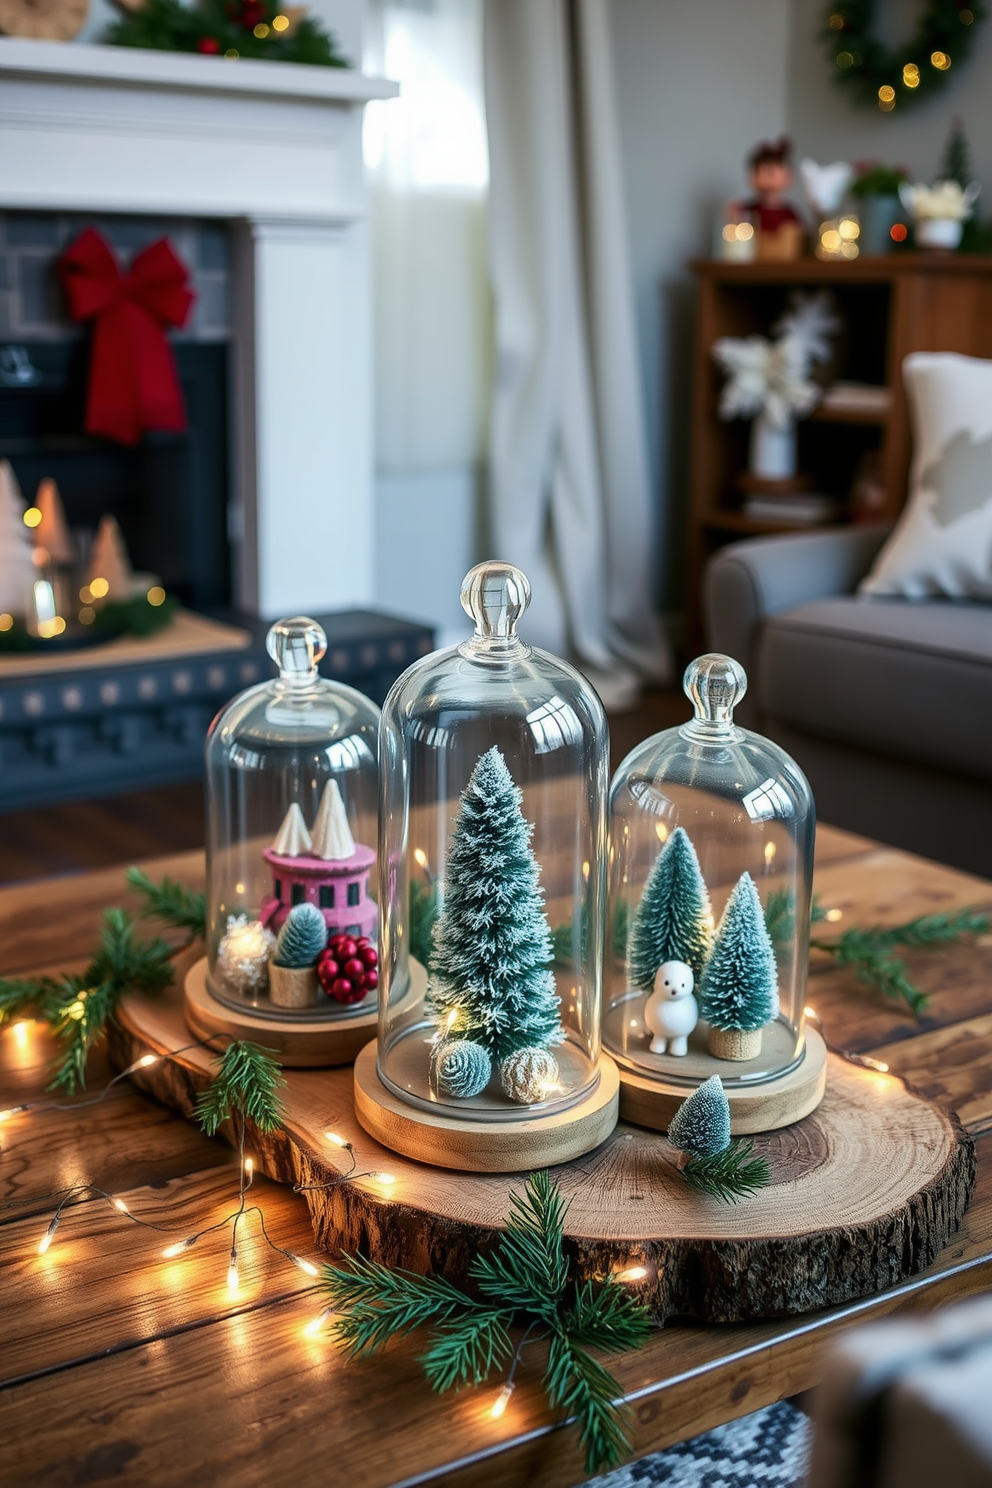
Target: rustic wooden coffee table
(116, 1366)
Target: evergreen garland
(228, 28)
(673, 921)
(730, 1175)
(118, 617)
(171, 902)
(525, 1281)
(875, 74)
(246, 1085)
(490, 976)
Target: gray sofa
(885, 703)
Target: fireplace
(270, 155)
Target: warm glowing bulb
(21, 1031)
(121, 1207)
(261, 31)
(661, 832)
(335, 1140)
(585, 871)
(833, 915)
(280, 23)
(809, 1012)
(156, 595)
(420, 857)
(304, 1265)
(77, 1010)
(233, 1280)
(48, 1236)
(249, 1166)
(501, 1402)
(11, 1111)
(769, 853)
(313, 1327)
(87, 615)
(633, 1273)
(386, 1179)
(32, 517)
(6, 621)
(744, 232)
(940, 60)
(849, 229)
(146, 1060)
(873, 1064)
(85, 594)
(171, 1251)
(99, 588)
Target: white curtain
(570, 495)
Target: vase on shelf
(772, 453)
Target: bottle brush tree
(739, 988)
(673, 921)
(302, 938)
(490, 972)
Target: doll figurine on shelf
(779, 229)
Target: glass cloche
(492, 871)
(711, 860)
(292, 805)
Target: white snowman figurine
(671, 1012)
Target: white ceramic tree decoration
(293, 838)
(17, 572)
(332, 837)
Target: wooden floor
(145, 824)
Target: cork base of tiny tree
(737, 1044)
(864, 1193)
(539, 1141)
(301, 1043)
(764, 1107)
(292, 986)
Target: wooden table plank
(379, 1424)
(952, 1065)
(104, 1286)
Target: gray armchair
(885, 703)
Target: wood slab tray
(865, 1192)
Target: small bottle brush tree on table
(491, 984)
(738, 994)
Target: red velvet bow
(133, 381)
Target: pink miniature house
(328, 869)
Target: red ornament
(133, 384)
(209, 45)
(348, 978)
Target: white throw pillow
(943, 541)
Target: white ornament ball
(529, 1075)
(243, 955)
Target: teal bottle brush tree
(673, 921)
(492, 992)
(738, 993)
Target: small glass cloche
(292, 804)
(492, 872)
(711, 849)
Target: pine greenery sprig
(171, 902)
(730, 1175)
(247, 1083)
(868, 951)
(524, 1281)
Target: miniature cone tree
(738, 994)
(17, 572)
(109, 561)
(491, 982)
(52, 532)
(673, 921)
(956, 162)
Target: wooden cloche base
(864, 1193)
(298, 1043)
(753, 1108)
(539, 1141)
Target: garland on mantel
(872, 73)
(258, 29)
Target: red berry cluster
(349, 968)
(247, 13)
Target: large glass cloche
(292, 804)
(491, 872)
(711, 858)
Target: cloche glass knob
(495, 595)
(296, 646)
(715, 684)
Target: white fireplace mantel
(275, 149)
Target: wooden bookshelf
(889, 307)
